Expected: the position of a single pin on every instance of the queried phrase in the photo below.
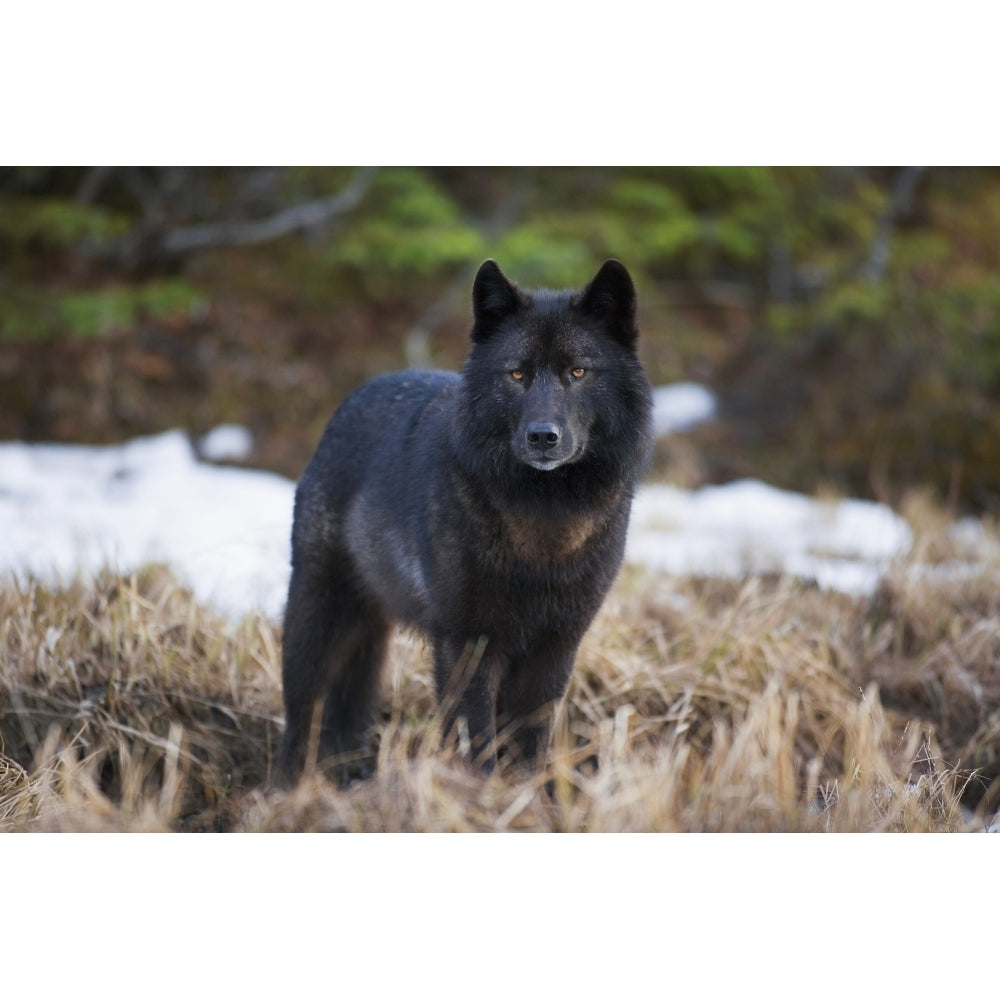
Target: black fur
(487, 509)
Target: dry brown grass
(697, 705)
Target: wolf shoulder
(383, 425)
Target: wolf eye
(578, 372)
(517, 375)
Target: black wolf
(487, 509)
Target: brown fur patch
(544, 540)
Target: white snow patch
(748, 527)
(68, 509)
(226, 443)
(681, 407)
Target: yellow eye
(517, 375)
(578, 372)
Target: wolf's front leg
(467, 675)
(528, 701)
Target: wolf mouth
(545, 463)
(549, 460)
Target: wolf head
(553, 377)
(609, 298)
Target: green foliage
(707, 188)
(965, 315)
(667, 224)
(658, 226)
(863, 332)
(855, 302)
(55, 223)
(555, 250)
(98, 313)
(409, 230)
(33, 315)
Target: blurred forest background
(847, 318)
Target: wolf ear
(493, 299)
(610, 298)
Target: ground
(697, 705)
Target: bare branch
(90, 186)
(305, 216)
(903, 186)
(145, 193)
(150, 242)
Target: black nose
(543, 436)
